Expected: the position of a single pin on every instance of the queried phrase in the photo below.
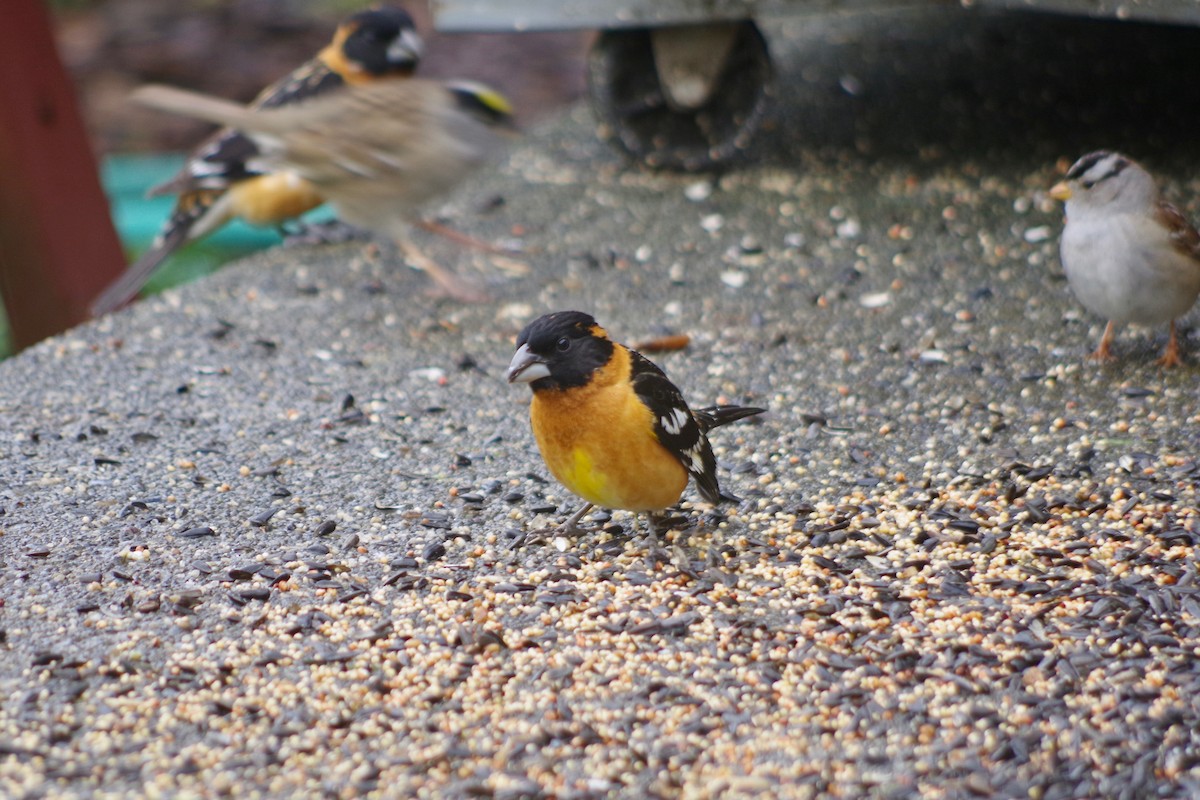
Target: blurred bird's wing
(205, 107)
(374, 151)
(355, 131)
(226, 156)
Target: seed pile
(286, 533)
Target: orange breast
(599, 442)
(271, 199)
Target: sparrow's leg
(448, 281)
(1104, 351)
(461, 238)
(1171, 356)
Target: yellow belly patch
(582, 477)
(650, 482)
(599, 442)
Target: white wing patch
(693, 454)
(673, 423)
(205, 169)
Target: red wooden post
(58, 248)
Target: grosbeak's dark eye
(563, 344)
(1087, 184)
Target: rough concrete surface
(256, 534)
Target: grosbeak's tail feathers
(716, 416)
(726, 497)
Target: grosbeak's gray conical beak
(527, 366)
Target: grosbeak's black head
(559, 351)
(382, 41)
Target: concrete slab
(256, 532)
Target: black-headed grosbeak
(611, 426)
(222, 180)
(373, 152)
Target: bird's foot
(447, 282)
(465, 239)
(529, 538)
(571, 528)
(1104, 351)
(332, 231)
(660, 525)
(1171, 357)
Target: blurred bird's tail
(197, 213)
(131, 281)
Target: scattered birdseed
(968, 575)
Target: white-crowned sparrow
(374, 152)
(1129, 256)
(218, 183)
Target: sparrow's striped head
(1105, 180)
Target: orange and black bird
(223, 179)
(611, 426)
